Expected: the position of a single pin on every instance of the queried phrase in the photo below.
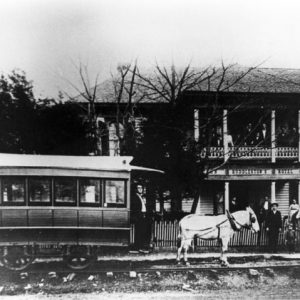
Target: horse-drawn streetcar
(64, 205)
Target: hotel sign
(250, 171)
(287, 171)
(257, 172)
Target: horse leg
(185, 259)
(179, 249)
(223, 256)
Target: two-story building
(254, 148)
(254, 138)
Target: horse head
(253, 222)
(247, 219)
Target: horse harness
(232, 222)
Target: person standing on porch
(265, 135)
(219, 203)
(294, 208)
(233, 206)
(273, 226)
(264, 209)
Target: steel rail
(142, 267)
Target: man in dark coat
(273, 226)
(140, 218)
(264, 210)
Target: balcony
(244, 153)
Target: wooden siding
(206, 202)
(115, 218)
(90, 218)
(64, 217)
(12, 217)
(208, 191)
(40, 217)
(282, 197)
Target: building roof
(263, 80)
(259, 80)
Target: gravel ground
(212, 284)
(202, 284)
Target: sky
(48, 39)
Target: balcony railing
(287, 152)
(250, 152)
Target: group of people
(269, 213)
(251, 136)
(256, 136)
(273, 221)
(286, 136)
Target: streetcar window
(13, 190)
(114, 193)
(89, 191)
(65, 191)
(39, 190)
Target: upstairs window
(89, 192)
(39, 190)
(115, 193)
(13, 191)
(65, 191)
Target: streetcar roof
(113, 163)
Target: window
(13, 190)
(114, 193)
(65, 191)
(39, 190)
(89, 192)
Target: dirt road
(275, 293)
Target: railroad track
(148, 267)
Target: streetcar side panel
(64, 207)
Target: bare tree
(87, 92)
(127, 95)
(168, 85)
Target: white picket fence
(165, 233)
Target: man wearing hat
(273, 226)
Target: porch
(252, 134)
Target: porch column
(225, 129)
(226, 196)
(273, 137)
(196, 125)
(298, 139)
(298, 200)
(273, 191)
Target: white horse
(219, 227)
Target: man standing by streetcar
(273, 226)
(141, 219)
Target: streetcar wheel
(79, 258)
(17, 258)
